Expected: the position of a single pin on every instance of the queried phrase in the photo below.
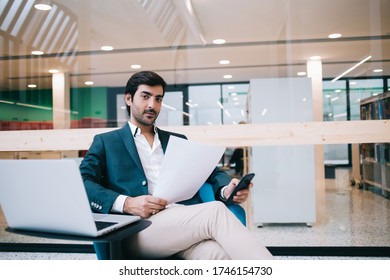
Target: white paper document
(185, 167)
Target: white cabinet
(284, 189)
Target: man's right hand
(144, 205)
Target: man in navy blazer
(123, 169)
(120, 171)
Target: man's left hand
(241, 195)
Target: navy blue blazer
(112, 167)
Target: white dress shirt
(151, 158)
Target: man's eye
(159, 99)
(145, 96)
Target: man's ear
(128, 99)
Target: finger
(235, 181)
(157, 201)
(157, 207)
(243, 192)
(154, 212)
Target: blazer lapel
(164, 138)
(128, 141)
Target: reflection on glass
(234, 98)
(335, 109)
(205, 106)
(361, 89)
(334, 101)
(172, 109)
(176, 40)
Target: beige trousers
(204, 231)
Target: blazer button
(144, 183)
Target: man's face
(146, 105)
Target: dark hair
(148, 78)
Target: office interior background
(209, 52)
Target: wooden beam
(342, 132)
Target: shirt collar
(135, 130)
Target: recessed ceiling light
(135, 66)
(54, 71)
(88, 83)
(352, 83)
(107, 48)
(32, 86)
(224, 61)
(42, 7)
(301, 73)
(337, 90)
(315, 57)
(37, 52)
(227, 76)
(334, 36)
(219, 41)
(378, 70)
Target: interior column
(61, 100)
(314, 71)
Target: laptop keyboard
(101, 225)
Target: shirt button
(144, 183)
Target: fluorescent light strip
(220, 105)
(189, 104)
(186, 114)
(352, 68)
(169, 107)
(7, 102)
(37, 106)
(33, 106)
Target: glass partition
(335, 109)
(361, 89)
(76, 57)
(205, 106)
(334, 100)
(191, 44)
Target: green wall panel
(35, 105)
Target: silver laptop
(49, 196)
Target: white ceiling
(264, 38)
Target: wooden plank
(343, 132)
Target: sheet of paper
(186, 166)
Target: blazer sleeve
(93, 172)
(218, 179)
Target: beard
(147, 117)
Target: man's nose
(151, 103)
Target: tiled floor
(348, 218)
(352, 217)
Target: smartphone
(243, 184)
